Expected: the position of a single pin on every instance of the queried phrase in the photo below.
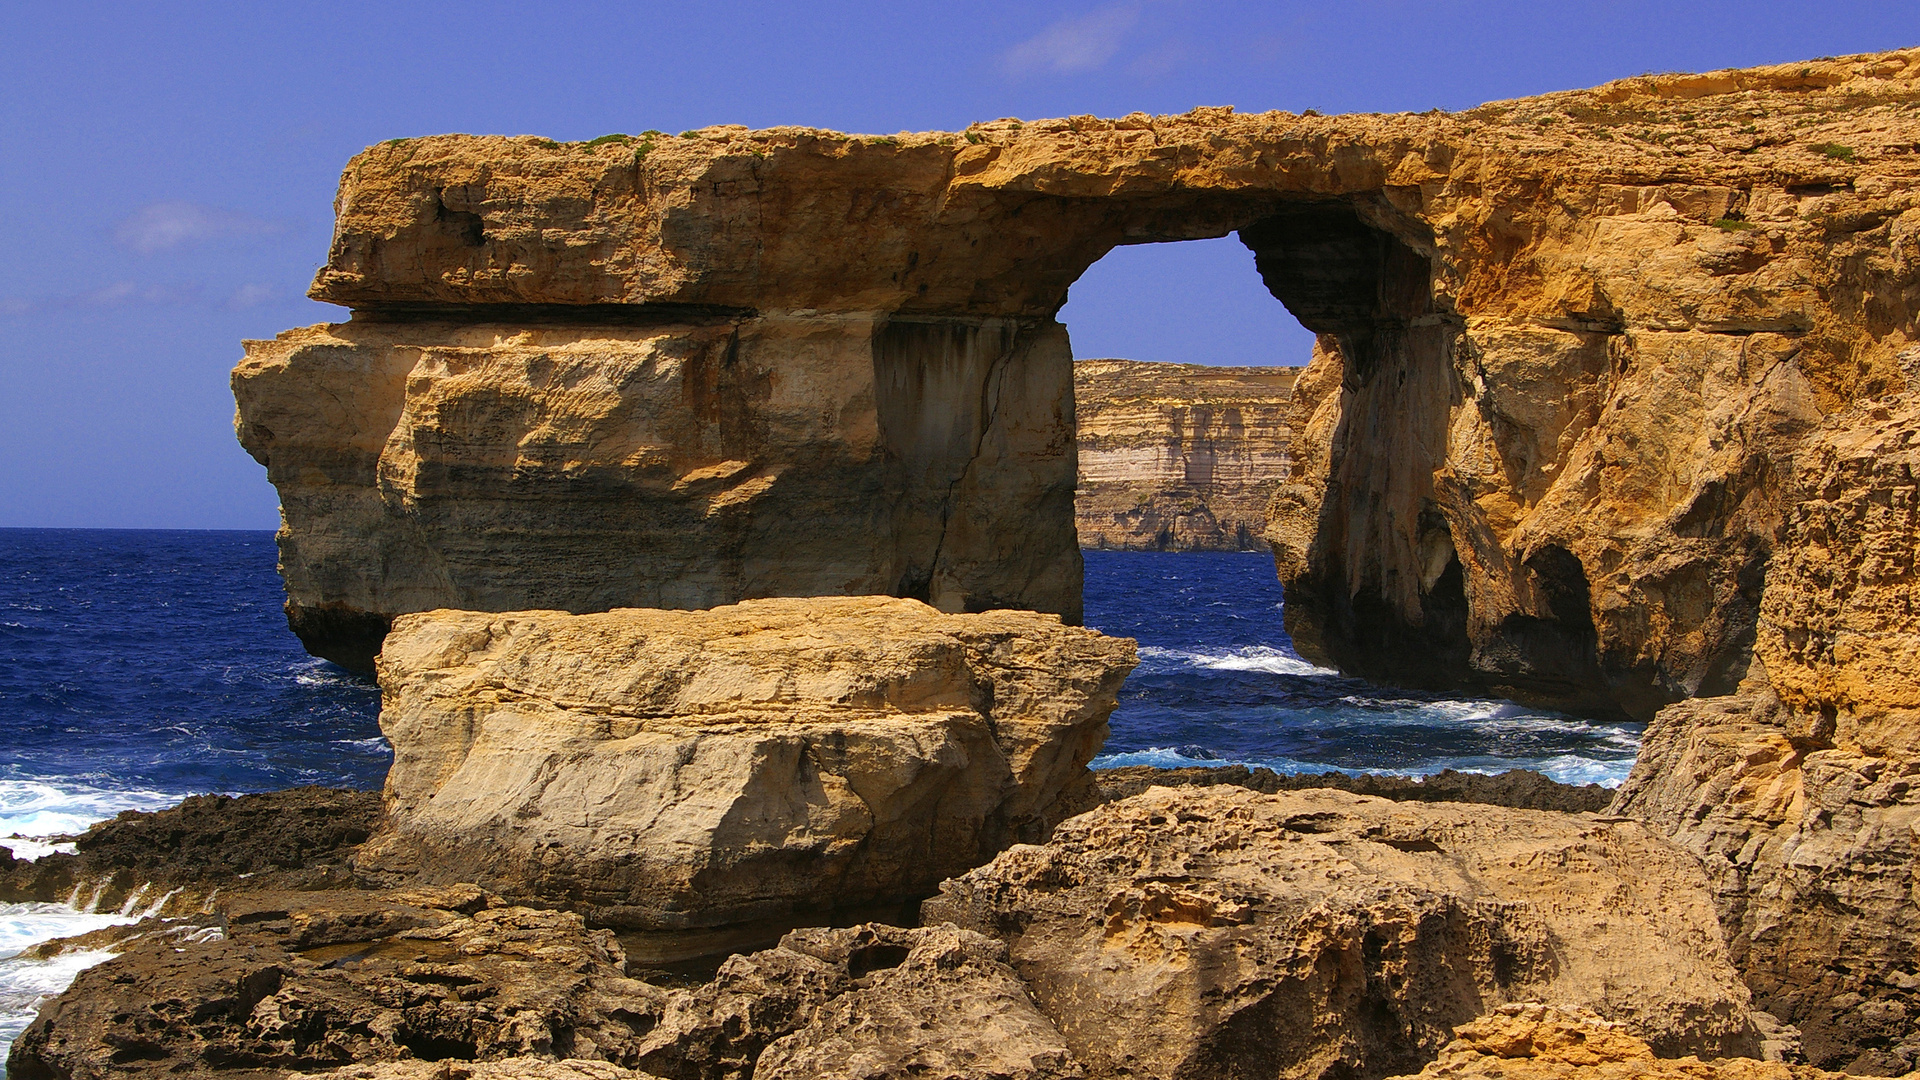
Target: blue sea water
(1219, 683)
(138, 667)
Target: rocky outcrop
(1569, 346)
(306, 981)
(1811, 850)
(1177, 457)
(510, 460)
(1216, 931)
(1537, 1042)
(1801, 795)
(754, 765)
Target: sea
(139, 667)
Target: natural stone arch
(1543, 446)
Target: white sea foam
(29, 850)
(43, 808)
(1246, 658)
(1576, 769)
(27, 981)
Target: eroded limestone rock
(1538, 1042)
(755, 763)
(686, 462)
(1801, 794)
(1570, 345)
(1216, 931)
(1177, 457)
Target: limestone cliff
(1569, 347)
(1177, 457)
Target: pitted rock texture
(872, 1001)
(1216, 931)
(1177, 457)
(762, 762)
(307, 981)
(683, 462)
(1538, 1042)
(1569, 346)
(1811, 849)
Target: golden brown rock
(745, 766)
(1569, 347)
(1218, 932)
(1177, 457)
(1538, 1042)
(678, 463)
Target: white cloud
(1085, 43)
(251, 295)
(117, 295)
(165, 225)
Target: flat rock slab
(1220, 932)
(754, 764)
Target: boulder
(1218, 932)
(1539, 1042)
(757, 765)
(873, 1001)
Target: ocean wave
(25, 983)
(378, 742)
(36, 809)
(1265, 658)
(1573, 768)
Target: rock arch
(1568, 346)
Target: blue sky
(169, 169)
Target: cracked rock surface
(768, 763)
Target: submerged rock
(1216, 931)
(762, 764)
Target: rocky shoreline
(706, 506)
(273, 956)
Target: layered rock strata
(1219, 932)
(505, 460)
(755, 764)
(1570, 345)
(1177, 457)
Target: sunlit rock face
(1569, 346)
(1178, 457)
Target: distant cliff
(1177, 457)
